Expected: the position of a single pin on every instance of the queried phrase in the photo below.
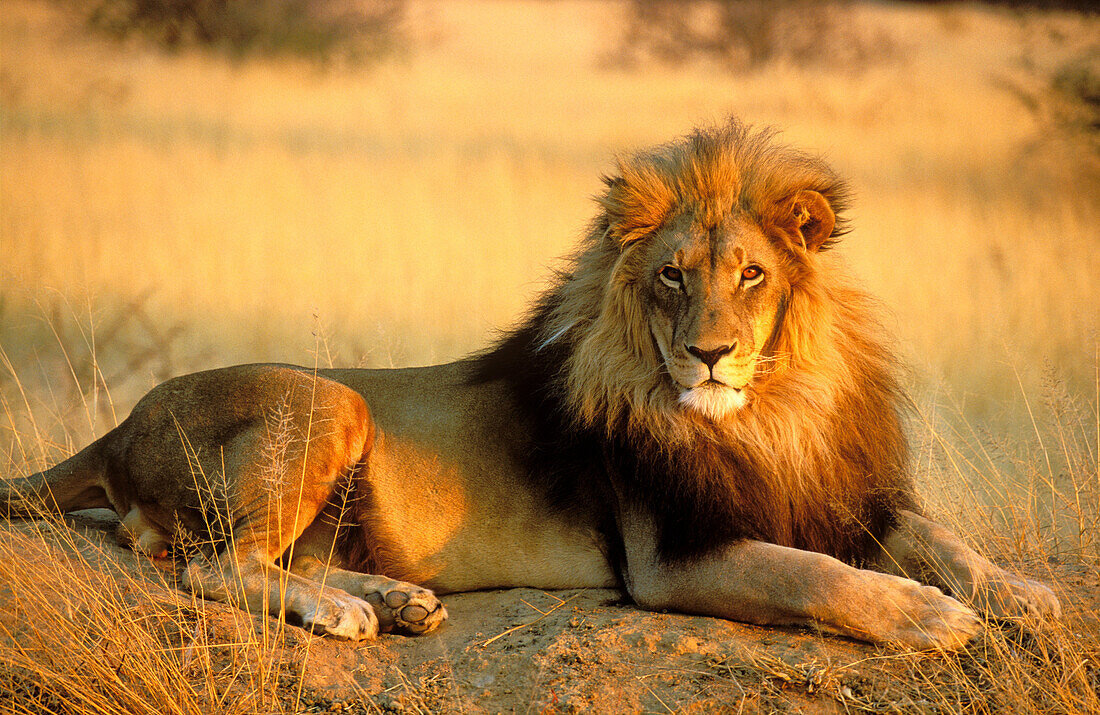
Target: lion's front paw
(342, 616)
(938, 621)
(920, 617)
(1004, 595)
(406, 608)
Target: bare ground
(520, 650)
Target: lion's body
(441, 479)
(448, 478)
(701, 409)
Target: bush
(1077, 84)
(323, 30)
(747, 33)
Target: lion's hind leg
(277, 475)
(255, 583)
(401, 607)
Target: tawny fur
(711, 173)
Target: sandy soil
(526, 650)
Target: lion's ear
(806, 219)
(636, 203)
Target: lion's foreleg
(925, 550)
(401, 607)
(766, 584)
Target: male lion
(700, 409)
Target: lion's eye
(672, 276)
(751, 273)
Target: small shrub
(1077, 83)
(744, 34)
(322, 30)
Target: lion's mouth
(716, 400)
(711, 384)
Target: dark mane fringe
(565, 460)
(719, 492)
(819, 460)
(565, 456)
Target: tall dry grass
(78, 639)
(85, 631)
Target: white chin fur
(713, 401)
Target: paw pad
(407, 608)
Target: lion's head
(714, 285)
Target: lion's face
(700, 251)
(715, 296)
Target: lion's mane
(817, 460)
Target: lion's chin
(714, 401)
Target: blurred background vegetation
(321, 30)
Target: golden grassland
(163, 213)
(415, 206)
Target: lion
(701, 410)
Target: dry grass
(160, 214)
(77, 639)
(85, 631)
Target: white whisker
(557, 334)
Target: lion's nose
(710, 357)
